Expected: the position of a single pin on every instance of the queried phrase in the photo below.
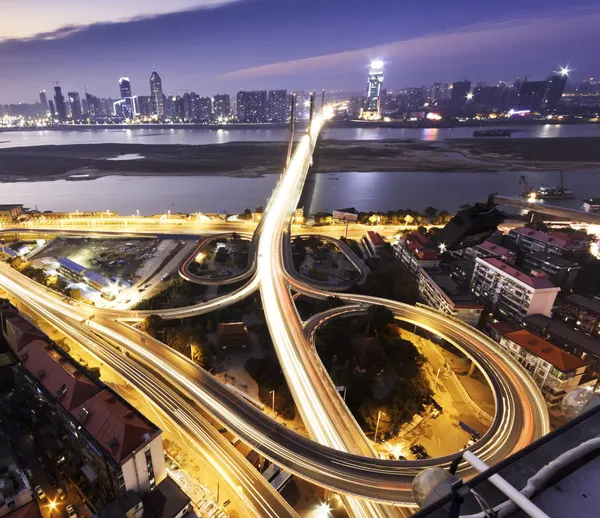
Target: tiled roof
(66, 381)
(535, 282)
(496, 249)
(71, 265)
(118, 427)
(375, 238)
(589, 304)
(166, 501)
(554, 355)
(502, 328)
(420, 246)
(557, 239)
(97, 278)
(30, 510)
(24, 331)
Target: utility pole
(377, 427)
(292, 129)
(312, 111)
(323, 101)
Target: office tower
(94, 106)
(222, 105)
(459, 94)
(51, 108)
(75, 104)
(125, 87)
(44, 100)
(84, 107)
(531, 95)
(372, 107)
(144, 105)
(252, 106)
(59, 103)
(278, 106)
(156, 95)
(556, 83)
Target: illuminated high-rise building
(125, 87)
(372, 107)
(156, 95)
(252, 106)
(222, 105)
(555, 87)
(277, 106)
(44, 100)
(59, 103)
(75, 104)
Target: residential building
(118, 449)
(555, 87)
(414, 250)
(458, 94)
(531, 241)
(439, 291)
(222, 106)
(371, 109)
(15, 490)
(16, 330)
(486, 249)
(233, 336)
(591, 205)
(278, 106)
(561, 334)
(44, 100)
(510, 291)
(70, 269)
(555, 371)
(531, 96)
(10, 213)
(582, 313)
(374, 242)
(252, 106)
(560, 271)
(157, 102)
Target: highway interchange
(339, 456)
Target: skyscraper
(51, 108)
(252, 106)
(94, 106)
(222, 105)
(278, 106)
(75, 103)
(59, 103)
(372, 108)
(125, 87)
(531, 95)
(555, 87)
(459, 94)
(44, 100)
(156, 95)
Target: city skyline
(430, 49)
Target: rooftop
(376, 238)
(535, 282)
(557, 239)
(64, 379)
(554, 355)
(461, 297)
(116, 425)
(496, 249)
(166, 501)
(584, 302)
(420, 246)
(9, 207)
(71, 265)
(563, 332)
(556, 260)
(24, 331)
(98, 279)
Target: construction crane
(523, 182)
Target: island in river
(252, 159)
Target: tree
(431, 211)
(75, 294)
(246, 215)
(379, 318)
(153, 325)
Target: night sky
(211, 46)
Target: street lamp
(377, 426)
(273, 401)
(324, 510)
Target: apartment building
(486, 249)
(582, 313)
(555, 371)
(512, 292)
(560, 271)
(414, 250)
(531, 241)
(438, 290)
(115, 446)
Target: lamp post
(377, 426)
(273, 401)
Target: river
(365, 191)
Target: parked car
(61, 493)
(40, 493)
(71, 513)
(52, 480)
(29, 473)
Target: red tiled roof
(65, 380)
(495, 249)
(24, 331)
(553, 238)
(502, 327)
(118, 427)
(30, 510)
(554, 355)
(375, 238)
(420, 246)
(535, 282)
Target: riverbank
(255, 159)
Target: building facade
(582, 313)
(372, 107)
(124, 87)
(156, 95)
(59, 104)
(512, 292)
(560, 271)
(278, 106)
(10, 213)
(222, 106)
(252, 106)
(531, 241)
(555, 371)
(414, 250)
(75, 104)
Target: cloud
(45, 20)
(472, 40)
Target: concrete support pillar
(472, 368)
